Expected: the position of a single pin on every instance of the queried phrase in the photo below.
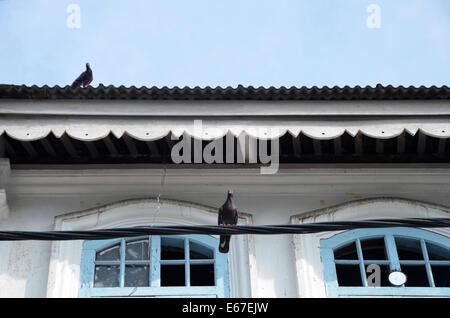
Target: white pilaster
(5, 170)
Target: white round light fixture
(397, 278)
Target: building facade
(110, 157)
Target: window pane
(441, 276)
(137, 250)
(172, 275)
(346, 252)
(172, 248)
(198, 251)
(416, 275)
(109, 254)
(374, 249)
(437, 252)
(106, 276)
(408, 249)
(348, 275)
(136, 276)
(202, 275)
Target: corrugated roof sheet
(378, 92)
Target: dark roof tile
(378, 92)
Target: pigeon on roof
(84, 79)
(228, 215)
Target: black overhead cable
(213, 229)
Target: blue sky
(226, 43)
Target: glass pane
(198, 251)
(136, 276)
(408, 249)
(346, 252)
(173, 275)
(374, 249)
(437, 252)
(348, 275)
(378, 275)
(137, 250)
(202, 275)
(416, 275)
(172, 248)
(109, 254)
(441, 276)
(106, 276)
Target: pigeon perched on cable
(228, 215)
(84, 79)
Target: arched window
(321, 256)
(154, 266)
(72, 262)
(358, 263)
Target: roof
(389, 127)
(102, 92)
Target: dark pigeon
(84, 79)
(228, 215)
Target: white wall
(35, 197)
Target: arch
(151, 268)
(309, 264)
(386, 207)
(344, 238)
(65, 260)
(392, 262)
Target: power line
(307, 228)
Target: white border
(151, 120)
(148, 129)
(65, 259)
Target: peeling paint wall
(24, 265)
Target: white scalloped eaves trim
(91, 130)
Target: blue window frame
(154, 266)
(422, 255)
